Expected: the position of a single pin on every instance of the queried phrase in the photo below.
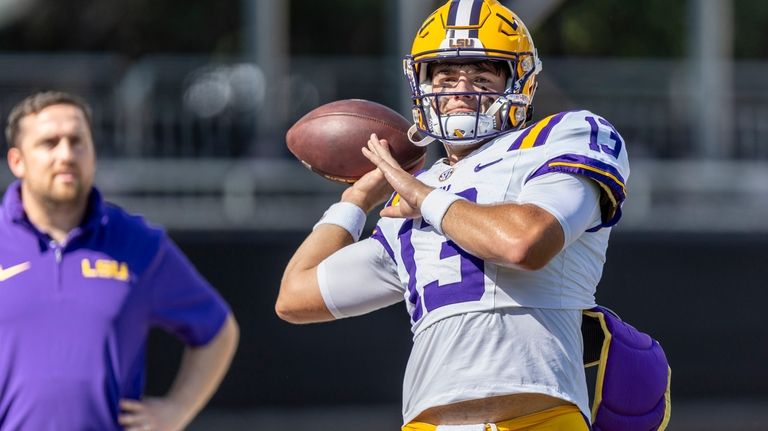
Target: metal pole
(410, 15)
(711, 73)
(266, 43)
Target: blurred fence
(176, 106)
(179, 142)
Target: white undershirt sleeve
(573, 200)
(358, 279)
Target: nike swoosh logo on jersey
(12, 271)
(480, 167)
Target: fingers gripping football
(412, 191)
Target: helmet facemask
(471, 31)
(491, 116)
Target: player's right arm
(300, 299)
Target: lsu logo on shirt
(104, 268)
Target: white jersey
(441, 279)
(483, 329)
(509, 351)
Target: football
(328, 140)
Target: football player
(495, 249)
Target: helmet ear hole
(529, 113)
(520, 115)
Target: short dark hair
(37, 102)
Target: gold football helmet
(472, 31)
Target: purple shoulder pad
(632, 392)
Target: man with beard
(81, 284)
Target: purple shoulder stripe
(545, 131)
(474, 18)
(537, 134)
(519, 141)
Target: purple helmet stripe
(474, 18)
(544, 134)
(451, 21)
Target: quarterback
(495, 249)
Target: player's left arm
(524, 235)
(202, 369)
(553, 210)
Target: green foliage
(608, 28)
(750, 34)
(338, 27)
(615, 28)
(647, 28)
(131, 27)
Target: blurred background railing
(184, 106)
(181, 132)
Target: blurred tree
(338, 27)
(650, 28)
(750, 23)
(130, 27)
(616, 28)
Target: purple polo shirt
(74, 319)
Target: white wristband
(435, 205)
(346, 215)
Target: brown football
(329, 139)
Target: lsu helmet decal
(470, 31)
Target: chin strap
(413, 135)
(491, 111)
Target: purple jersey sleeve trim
(604, 174)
